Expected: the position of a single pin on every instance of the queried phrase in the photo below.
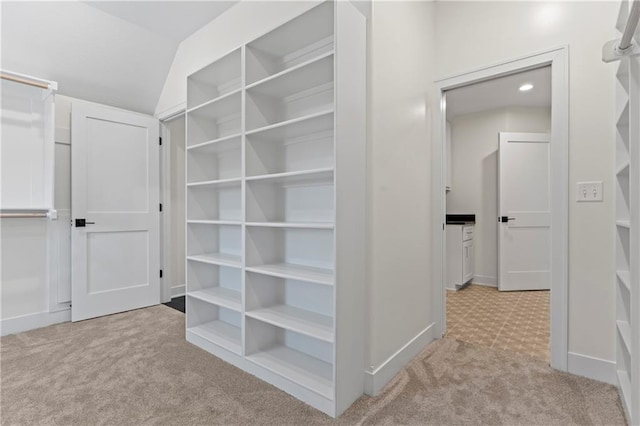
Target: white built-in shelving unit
(628, 228)
(276, 206)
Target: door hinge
(160, 140)
(160, 206)
(160, 273)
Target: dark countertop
(461, 219)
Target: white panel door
(115, 178)
(524, 231)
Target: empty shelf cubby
(302, 254)
(302, 92)
(214, 80)
(297, 357)
(300, 306)
(215, 244)
(220, 285)
(296, 42)
(215, 324)
(219, 201)
(215, 120)
(214, 161)
(295, 198)
(301, 145)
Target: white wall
(401, 63)
(474, 34)
(474, 150)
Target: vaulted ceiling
(113, 52)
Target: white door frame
(166, 243)
(558, 59)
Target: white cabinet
(460, 255)
(276, 209)
(467, 261)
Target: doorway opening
(502, 178)
(172, 172)
(498, 272)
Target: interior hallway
(513, 320)
(137, 368)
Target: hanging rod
(22, 215)
(617, 49)
(24, 81)
(630, 29)
(28, 80)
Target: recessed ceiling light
(526, 87)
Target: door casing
(558, 60)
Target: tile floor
(515, 321)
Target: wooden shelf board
(220, 296)
(215, 222)
(292, 70)
(625, 278)
(312, 373)
(299, 320)
(215, 100)
(623, 169)
(222, 259)
(217, 182)
(299, 79)
(222, 144)
(296, 272)
(623, 223)
(221, 334)
(302, 175)
(293, 121)
(625, 331)
(304, 225)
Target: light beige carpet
(136, 368)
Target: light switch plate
(589, 191)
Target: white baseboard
(32, 321)
(178, 290)
(375, 379)
(485, 280)
(592, 368)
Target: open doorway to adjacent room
(498, 212)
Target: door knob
(81, 223)
(505, 219)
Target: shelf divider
(222, 259)
(296, 272)
(304, 322)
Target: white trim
(172, 112)
(558, 59)
(178, 290)
(32, 321)
(63, 135)
(485, 280)
(165, 216)
(376, 378)
(592, 368)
